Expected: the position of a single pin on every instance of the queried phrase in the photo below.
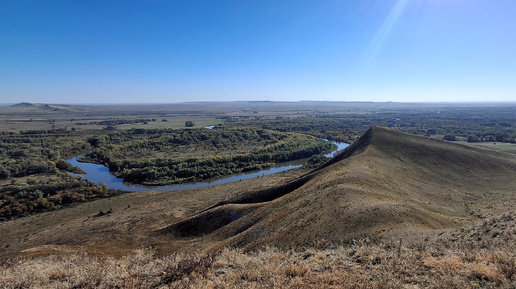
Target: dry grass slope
(457, 259)
(392, 211)
(386, 184)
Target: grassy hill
(392, 210)
(387, 183)
(480, 255)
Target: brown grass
(391, 212)
(131, 224)
(443, 261)
(385, 185)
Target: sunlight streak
(378, 40)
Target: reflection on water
(100, 174)
(340, 146)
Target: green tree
(450, 137)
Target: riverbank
(100, 174)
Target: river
(100, 174)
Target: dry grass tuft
(452, 260)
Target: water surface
(100, 174)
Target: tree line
(31, 166)
(158, 157)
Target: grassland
(343, 121)
(478, 256)
(386, 185)
(172, 124)
(394, 210)
(132, 224)
(505, 147)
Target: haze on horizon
(176, 51)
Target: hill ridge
(356, 147)
(387, 182)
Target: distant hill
(23, 104)
(387, 183)
(27, 106)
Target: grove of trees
(157, 157)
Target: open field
(174, 123)
(505, 147)
(341, 119)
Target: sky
(167, 51)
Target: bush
(450, 137)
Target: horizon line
(264, 101)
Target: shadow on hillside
(223, 213)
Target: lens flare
(381, 35)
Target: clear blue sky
(173, 51)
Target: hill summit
(38, 107)
(23, 104)
(387, 183)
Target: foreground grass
(481, 256)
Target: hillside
(457, 259)
(386, 185)
(34, 107)
(392, 211)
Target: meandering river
(100, 174)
